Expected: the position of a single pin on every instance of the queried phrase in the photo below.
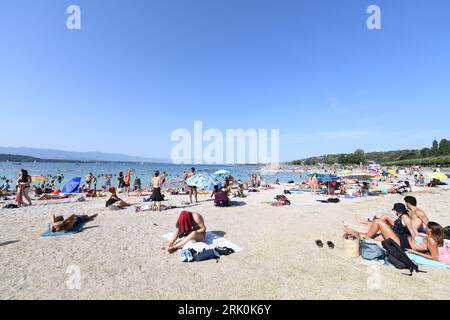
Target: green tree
(435, 148)
(359, 156)
(444, 147)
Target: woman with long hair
(23, 187)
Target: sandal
(330, 244)
(319, 243)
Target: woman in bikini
(23, 187)
(126, 183)
(60, 224)
(401, 226)
(429, 246)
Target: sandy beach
(119, 255)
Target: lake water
(143, 171)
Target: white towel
(212, 240)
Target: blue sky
(140, 69)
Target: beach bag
(207, 254)
(11, 206)
(333, 200)
(280, 197)
(224, 251)
(371, 251)
(398, 257)
(447, 233)
(351, 246)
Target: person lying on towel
(60, 224)
(190, 226)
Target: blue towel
(78, 227)
(427, 262)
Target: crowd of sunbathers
(411, 229)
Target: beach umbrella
(38, 178)
(204, 181)
(392, 172)
(324, 176)
(359, 176)
(222, 172)
(73, 186)
(437, 175)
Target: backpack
(11, 206)
(280, 197)
(371, 251)
(398, 257)
(447, 233)
(224, 251)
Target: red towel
(185, 222)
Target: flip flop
(319, 243)
(330, 244)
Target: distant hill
(20, 158)
(72, 155)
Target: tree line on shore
(437, 154)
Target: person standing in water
(126, 183)
(88, 180)
(120, 180)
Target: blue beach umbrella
(73, 186)
(221, 172)
(324, 176)
(204, 181)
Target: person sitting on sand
(113, 199)
(239, 192)
(220, 197)
(402, 226)
(429, 246)
(60, 224)
(418, 216)
(191, 226)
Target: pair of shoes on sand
(330, 244)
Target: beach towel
(212, 241)
(78, 227)
(427, 262)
